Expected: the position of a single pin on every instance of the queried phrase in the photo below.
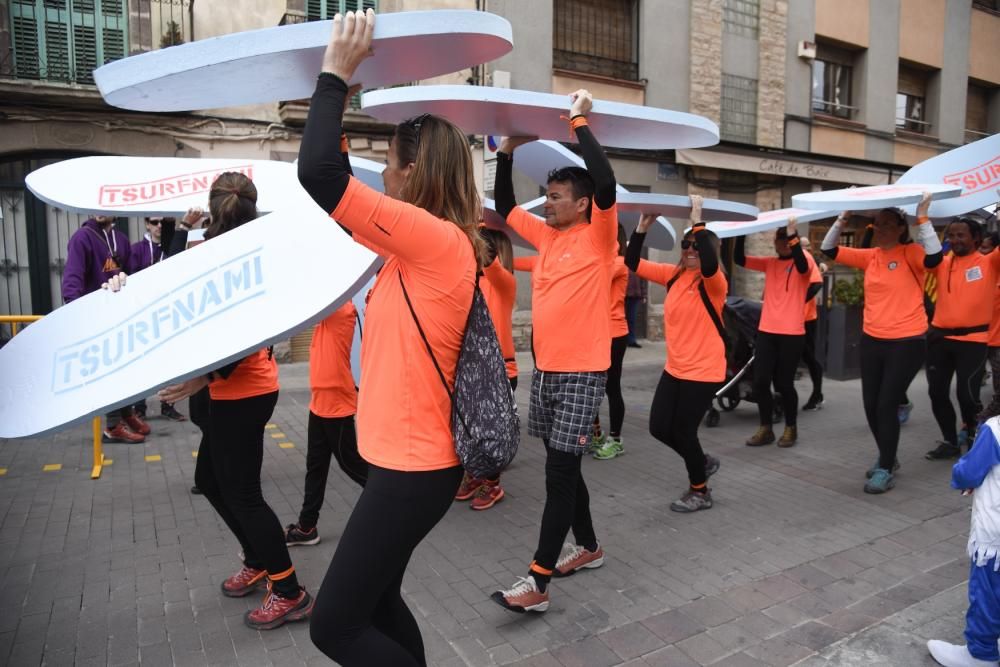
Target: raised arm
(926, 235)
(708, 258)
(795, 244)
(322, 169)
(740, 251)
(831, 242)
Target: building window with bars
(832, 81)
(739, 109)
(911, 95)
(65, 40)
(320, 10)
(741, 17)
(586, 40)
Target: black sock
(541, 580)
(591, 547)
(287, 587)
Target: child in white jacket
(978, 472)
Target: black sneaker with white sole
(296, 537)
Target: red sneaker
(244, 582)
(122, 433)
(487, 495)
(275, 610)
(135, 423)
(575, 558)
(469, 487)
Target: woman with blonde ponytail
(425, 227)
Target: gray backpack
(484, 421)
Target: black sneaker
(170, 412)
(944, 450)
(814, 403)
(296, 537)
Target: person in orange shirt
(781, 334)
(989, 245)
(957, 342)
(812, 362)
(609, 446)
(500, 291)
(893, 341)
(331, 432)
(425, 227)
(242, 398)
(696, 359)
(571, 335)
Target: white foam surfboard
(510, 112)
(872, 197)
(974, 167)
(766, 221)
(148, 186)
(180, 318)
(281, 63)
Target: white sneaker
(953, 655)
(575, 557)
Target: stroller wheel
(713, 418)
(727, 402)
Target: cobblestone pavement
(794, 564)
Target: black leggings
(228, 473)
(887, 369)
(677, 410)
(360, 617)
(775, 358)
(567, 505)
(964, 360)
(810, 358)
(329, 437)
(613, 387)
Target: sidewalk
(793, 565)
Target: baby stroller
(741, 317)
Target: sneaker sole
(786, 445)
(112, 440)
(486, 507)
(303, 543)
(290, 617)
(500, 600)
(759, 444)
(875, 492)
(685, 510)
(598, 457)
(556, 574)
(243, 592)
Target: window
(832, 78)
(739, 109)
(988, 5)
(977, 112)
(741, 17)
(585, 38)
(319, 10)
(65, 40)
(911, 93)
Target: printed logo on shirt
(111, 265)
(893, 265)
(973, 274)
(584, 439)
(565, 255)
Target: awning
(763, 164)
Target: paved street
(793, 565)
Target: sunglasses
(687, 243)
(416, 122)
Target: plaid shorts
(562, 408)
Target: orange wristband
(577, 122)
(923, 219)
(794, 241)
(344, 145)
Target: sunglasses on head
(416, 123)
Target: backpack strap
(673, 278)
(424, 336)
(711, 311)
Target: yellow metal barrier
(95, 472)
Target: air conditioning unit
(807, 50)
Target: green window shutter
(24, 29)
(319, 10)
(315, 10)
(56, 65)
(84, 53)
